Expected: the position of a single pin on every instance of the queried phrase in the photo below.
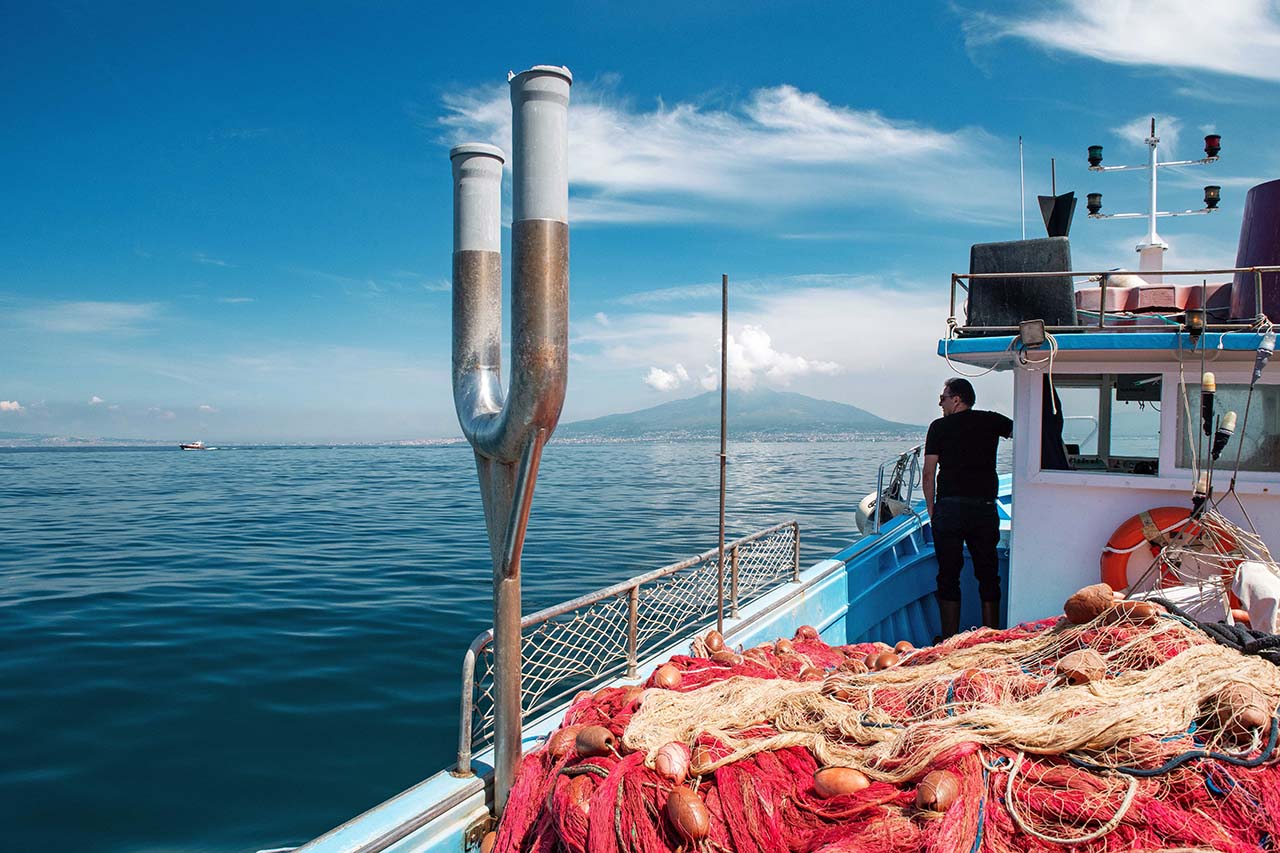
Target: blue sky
(232, 221)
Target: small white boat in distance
(195, 445)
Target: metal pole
(724, 401)
(508, 430)
(1102, 301)
(795, 552)
(1022, 190)
(633, 632)
(733, 582)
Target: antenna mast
(1151, 250)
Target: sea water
(237, 649)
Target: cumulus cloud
(751, 358)
(780, 149)
(95, 400)
(11, 406)
(1238, 38)
(666, 380)
(205, 407)
(162, 414)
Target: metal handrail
(631, 589)
(911, 458)
(1104, 276)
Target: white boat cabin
(1127, 444)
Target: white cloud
(202, 258)
(95, 400)
(601, 318)
(752, 357)
(1168, 130)
(236, 300)
(1238, 38)
(666, 380)
(11, 406)
(88, 317)
(205, 407)
(780, 150)
(866, 340)
(162, 414)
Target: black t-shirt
(965, 444)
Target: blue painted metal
(892, 578)
(1109, 342)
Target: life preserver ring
(1128, 554)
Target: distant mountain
(38, 439)
(760, 412)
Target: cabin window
(1257, 442)
(1110, 423)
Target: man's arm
(930, 471)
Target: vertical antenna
(1053, 177)
(724, 392)
(1022, 190)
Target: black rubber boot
(991, 614)
(949, 614)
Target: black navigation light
(1094, 203)
(1212, 145)
(1195, 322)
(1095, 155)
(1212, 195)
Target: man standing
(962, 507)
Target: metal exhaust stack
(508, 431)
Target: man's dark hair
(961, 388)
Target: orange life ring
(1129, 552)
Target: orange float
(1133, 547)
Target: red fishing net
(1152, 738)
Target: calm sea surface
(239, 649)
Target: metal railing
(906, 471)
(602, 635)
(1103, 279)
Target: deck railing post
(1102, 301)
(633, 630)
(464, 724)
(795, 552)
(875, 518)
(1257, 296)
(733, 582)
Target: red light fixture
(1212, 145)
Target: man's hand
(927, 481)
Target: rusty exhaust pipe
(508, 430)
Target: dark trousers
(966, 521)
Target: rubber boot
(991, 614)
(949, 614)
